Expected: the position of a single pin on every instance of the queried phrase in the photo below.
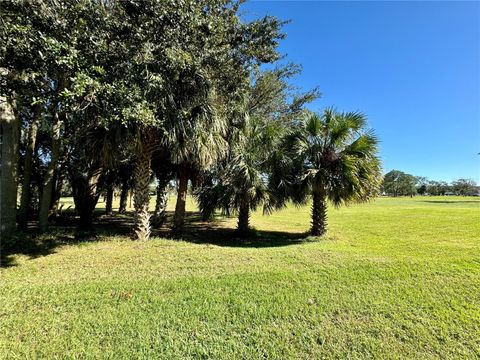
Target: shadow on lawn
(215, 232)
(31, 244)
(63, 232)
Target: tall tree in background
(221, 53)
(465, 187)
(398, 183)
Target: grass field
(395, 278)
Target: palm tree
(97, 153)
(339, 162)
(242, 184)
(245, 182)
(251, 175)
(195, 143)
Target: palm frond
(337, 156)
(314, 125)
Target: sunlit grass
(394, 278)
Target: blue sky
(412, 67)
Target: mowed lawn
(394, 278)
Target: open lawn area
(394, 278)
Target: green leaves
(141, 113)
(336, 155)
(314, 125)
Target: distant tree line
(398, 183)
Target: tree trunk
(208, 214)
(57, 186)
(319, 214)
(141, 196)
(85, 196)
(9, 139)
(57, 193)
(27, 169)
(109, 202)
(86, 211)
(123, 198)
(243, 224)
(48, 181)
(179, 217)
(161, 202)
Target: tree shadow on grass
(63, 232)
(255, 239)
(32, 245)
(216, 233)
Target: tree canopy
(99, 96)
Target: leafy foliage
(338, 157)
(397, 183)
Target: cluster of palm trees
(104, 95)
(327, 156)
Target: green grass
(395, 278)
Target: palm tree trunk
(48, 181)
(141, 196)
(9, 139)
(85, 223)
(161, 203)
(179, 216)
(123, 198)
(243, 224)
(85, 196)
(27, 169)
(86, 211)
(319, 214)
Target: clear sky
(412, 67)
